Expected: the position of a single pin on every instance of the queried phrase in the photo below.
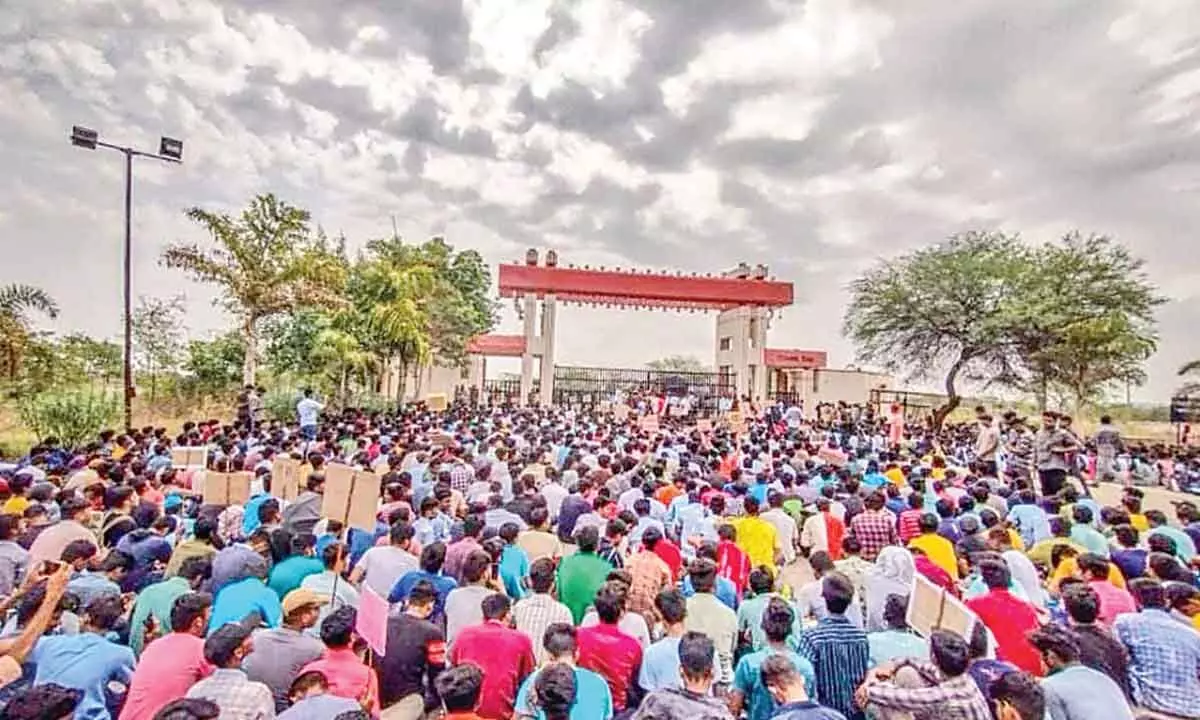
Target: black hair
(696, 651)
(1127, 535)
(476, 566)
(895, 612)
(495, 606)
(559, 640)
(1082, 603)
(1094, 565)
(422, 593)
(1022, 692)
(337, 629)
(761, 580)
(949, 652)
(703, 574)
(1149, 593)
(821, 563)
(78, 550)
(400, 532)
(587, 538)
(196, 568)
(459, 687)
(610, 602)
(433, 556)
(1056, 639)
(995, 574)
(838, 592)
(777, 620)
(671, 605)
(778, 671)
(555, 691)
(187, 608)
(105, 611)
(928, 523)
(541, 575)
(221, 646)
(39, 702)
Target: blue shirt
(250, 521)
(514, 566)
(1185, 549)
(1164, 661)
(725, 591)
(1090, 538)
(427, 531)
(660, 666)
(1031, 522)
(748, 681)
(85, 662)
(841, 656)
(892, 644)
(238, 599)
(806, 710)
(87, 586)
(593, 699)
(440, 582)
(287, 575)
(319, 707)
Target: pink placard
(372, 620)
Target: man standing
(694, 700)
(875, 527)
(609, 651)
(1108, 445)
(503, 655)
(1051, 446)
(581, 575)
(533, 614)
(986, 443)
(708, 615)
(593, 700)
(838, 651)
(308, 411)
(464, 605)
(749, 690)
(782, 679)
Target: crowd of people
(562, 565)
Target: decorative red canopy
(642, 289)
(790, 359)
(497, 345)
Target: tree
(17, 303)
(679, 363)
(215, 365)
(948, 309)
(1087, 318)
(266, 262)
(158, 338)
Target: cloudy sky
(813, 136)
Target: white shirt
(554, 494)
(308, 410)
(785, 531)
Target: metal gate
(585, 388)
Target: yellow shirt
(1017, 541)
(939, 550)
(1070, 568)
(757, 538)
(1139, 522)
(15, 505)
(896, 477)
(1043, 551)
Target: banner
(351, 497)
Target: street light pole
(169, 150)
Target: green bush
(73, 416)
(280, 404)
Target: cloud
(814, 137)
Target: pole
(128, 360)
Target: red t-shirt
(733, 564)
(616, 656)
(504, 655)
(1011, 620)
(669, 552)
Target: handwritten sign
(351, 497)
(285, 478)
(227, 488)
(371, 621)
(188, 458)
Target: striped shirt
(536, 613)
(840, 655)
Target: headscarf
(892, 575)
(1025, 575)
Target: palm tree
(17, 302)
(266, 262)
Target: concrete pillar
(546, 378)
(477, 372)
(531, 347)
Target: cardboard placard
(648, 423)
(437, 402)
(189, 457)
(704, 426)
(621, 412)
(285, 478)
(441, 439)
(351, 497)
(932, 608)
(227, 488)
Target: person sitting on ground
(43, 702)
(238, 697)
(1018, 696)
(1150, 635)
(1074, 691)
(1098, 649)
(349, 677)
(942, 690)
(898, 640)
(460, 688)
(593, 697)
(693, 701)
(311, 699)
(788, 689)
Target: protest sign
(648, 423)
(437, 402)
(227, 488)
(351, 497)
(285, 478)
(371, 621)
(189, 457)
(932, 608)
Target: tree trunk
(401, 381)
(952, 398)
(250, 340)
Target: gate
(503, 392)
(585, 388)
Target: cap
(297, 599)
